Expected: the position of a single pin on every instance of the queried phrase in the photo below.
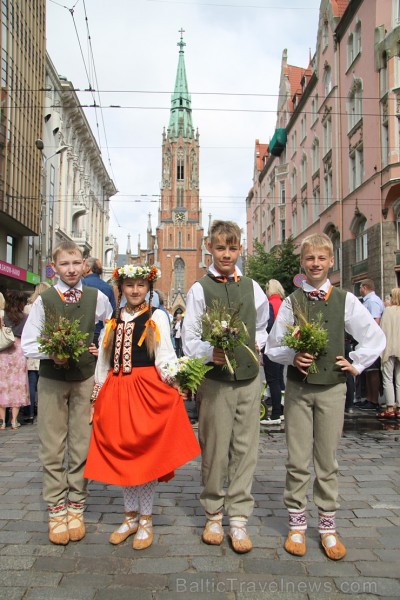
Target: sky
(233, 57)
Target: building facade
(76, 187)
(22, 74)
(333, 163)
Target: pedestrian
(314, 402)
(177, 329)
(14, 388)
(92, 278)
(229, 405)
(372, 375)
(64, 393)
(141, 432)
(33, 363)
(272, 370)
(390, 324)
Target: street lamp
(44, 225)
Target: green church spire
(180, 121)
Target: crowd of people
(112, 415)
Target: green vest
(233, 295)
(85, 310)
(332, 312)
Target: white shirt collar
(63, 287)
(214, 271)
(309, 288)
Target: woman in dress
(390, 324)
(14, 389)
(141, 431)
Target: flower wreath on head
(149, 272)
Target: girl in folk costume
(141, 431)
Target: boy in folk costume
(64, 393)
(141, 431)
(314, 402)
(229, 405)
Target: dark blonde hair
(316, 240)
(69, 247)
(395, 296)
(227, 229)
(273, 286)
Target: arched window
(355, 103)
(362, 240)
(350, 49)
(327, 80)
(179, 273)
(180, 172)
(357, 44)
(325, 35)
(315, 155)
(294, 182)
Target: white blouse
(164, 351)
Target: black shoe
(367, 406)
(29, 420)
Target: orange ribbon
(110, 324)
(153, 325)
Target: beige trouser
(314, 417)
(64, 435)
(229, 429)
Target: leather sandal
(386, 414)
(144, 535)
(334, 548)
(213, 533)
(240, 539)
(296, 542)
(76, 526)
(128, 527)
(60, 537)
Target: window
(282, 196)
(10, 249)
(282, 226)
(315, 155)
(303, 170)
(304, 214)
(327, 135)
(327, 80)
(294, 222)
(362, 241)
(357, 43)
(294, 142)
(314, 109)
(303, 127)
(356, 161)
(350, 50)
(385, 133)
(355, 104)
(328, 183)
(294, 182)
(315, 208)
(180, 197)
(179, 275)
(383, 74)
(337, 256)
(30, 253)
(180, 175)
(325, 34)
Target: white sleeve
(164, 352)
(31, 331)
(103, 361)
(193, 345)
(274, 348)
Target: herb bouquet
(62, 338)
(223, 328)
(306, 336)
(187, 372)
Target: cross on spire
(181, 43)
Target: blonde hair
(69, 247)
(41, 287)
(395, 296)
(228, 229)
(273, 286)
(316, 240)
(2, 301)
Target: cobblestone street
(179, 564)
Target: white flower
(224, 324)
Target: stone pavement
(179, 565)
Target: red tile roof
(261, 152)
(339, 7)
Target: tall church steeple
(179, 232)
(180, 122)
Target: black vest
(235, 294)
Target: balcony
(79, 207)
(360, 268)
(82, 239)
(278, 142)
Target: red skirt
(141, 430)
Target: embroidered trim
(298, 519)
(119, 336)
(326, 522)
(127, 348)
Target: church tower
(179, 234)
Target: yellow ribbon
(153, 325)
(110, 324)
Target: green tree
(282, 263)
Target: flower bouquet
(224, 329)
(62, 338)
(187, 372)
(306, 336)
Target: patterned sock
(131, 498)
(297, 519)
(76, 508)
(146, 497)
(326, 522)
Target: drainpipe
(339, 179)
